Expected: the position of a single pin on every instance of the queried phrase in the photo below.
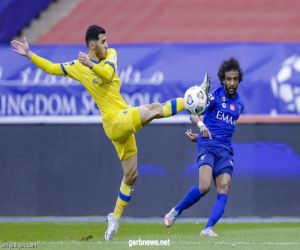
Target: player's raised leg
(153, 111)
(170, 108)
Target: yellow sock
(172, 107)
(123, 199)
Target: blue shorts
(219, 159)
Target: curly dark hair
(92, 33)
(229, 65)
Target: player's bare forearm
(195, 119)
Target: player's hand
(21, 48)
(193, 137)
(205, 132)
(85, 60)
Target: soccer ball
(286, 86)
(195, 100)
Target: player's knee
(155, 105)
(223, 188)
(204, 188)
(155, 108)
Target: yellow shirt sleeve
(106, 71)
(47, 66)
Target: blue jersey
(220, 118)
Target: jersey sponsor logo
(226, 118)
(232, 107)
(224, 105)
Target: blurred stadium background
(55, 159)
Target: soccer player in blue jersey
(215, 153)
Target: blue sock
(191, 198)
(217, 210)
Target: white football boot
(112, 227)
(208, 232)
(171, 217)
(205, 85)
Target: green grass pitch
(89, 235)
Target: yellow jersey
(102, 81)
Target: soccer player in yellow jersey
(97, 72)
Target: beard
(100, 53)
(230, 90)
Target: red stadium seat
(181, 21)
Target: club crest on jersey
(232, 107)
(224, 105)
(97, 80)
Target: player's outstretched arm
(23, 49)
